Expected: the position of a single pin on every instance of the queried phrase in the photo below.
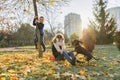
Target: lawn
(26, 65)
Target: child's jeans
(69, 55)
(41, 40)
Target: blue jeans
(41, 41)
(69, 55)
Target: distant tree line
(22, 37)
(103, 27)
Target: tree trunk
(37, 30)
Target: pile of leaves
(27, 66)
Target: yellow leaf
(50, 72)
(100, 66)
(82, 72)
(0, 64)
(110, 68)
(3, 78)
(61, 12)
(46, 61)
(11, 71)
(106, 72)
(27, 11)
(114, 62)
(66, 64)
(51, 2)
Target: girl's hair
(58, 36)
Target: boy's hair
(41, 17)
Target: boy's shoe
(44, 50)
(36, 46)
(72, 63)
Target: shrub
(89, 38)
(117, 39)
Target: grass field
(25, 65)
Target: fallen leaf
(2, 78)
(73, 77)
(110, 68)
(105, 72)
(114, 62)
(82, 72)
(45, 61)
(11, 71)
(13, 77)
(51, 2)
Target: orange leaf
(106, 72)
(13, 77)
(82, 71)
(2, 78)
(114, 62)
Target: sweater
(60, 46)
(40, 26)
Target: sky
(84, 9)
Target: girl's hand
(64, 49)
(61, 52)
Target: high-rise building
(72, 24)
(115, 12)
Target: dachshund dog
(81, 50)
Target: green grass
(106, 68)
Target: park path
(16, 49)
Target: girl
(59, 50)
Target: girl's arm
(57, 47)
(63, 47)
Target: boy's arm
(34, 20)
(34, 23)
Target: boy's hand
(36, 21)
(36, 17)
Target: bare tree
(25, 6)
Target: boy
(40, 24)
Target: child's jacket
(40, 26)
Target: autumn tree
(74, 36)
(105, 25)
(89, 37)
(22, 6)
(117, 39)
(19, 37)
